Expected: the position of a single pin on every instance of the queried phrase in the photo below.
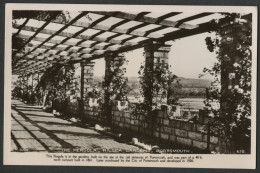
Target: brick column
(111, 60)
(156, 54)
(236, 83)
(87, 79)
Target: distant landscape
(191, 92)
(185, 82)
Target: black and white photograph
(130, 85)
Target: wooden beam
(20, 27)
(53, 16)
(107, 28)
(147, 19)
(204, 27)
(165, 16)
(197, 16)
(181, 22)
(171, 36)
(68, 43)
(40, 67)
(67, 34)
(30, 58)
(60, 30)
(82, 30)
(77, 33)
(32, 66)
(38, 52)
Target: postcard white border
(209, 160)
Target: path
(35, 130)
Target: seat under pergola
(90, 35)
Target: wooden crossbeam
(40, 67)
(44, 65)
(200, 15)
(163, 17)
(20, 27)
(180, 22)
(106, 28)
(60, 30)
(49, 58)
(81, 31)
(67, 34)
(35, 65)
(147, 19)
(60, 50)
(53, 16)
(93, 24)
(38, 52)
(31, 58)
(67, 43)
(132, 29)
(205, 27)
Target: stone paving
(34, 130)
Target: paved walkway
(35, 130)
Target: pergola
(81, 37)
(90, 35)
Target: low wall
(183, 132)
(93, 114)
(172, 130)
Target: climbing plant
(115, 83)
(156, 85)
(56, 80)
(232, 44)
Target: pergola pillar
(84, 78)
(156, 54)
(87, 78)
(156, 57)
(111, 61)
(235, 98)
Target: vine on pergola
(56, 80)
(115, 83)
(156, 86)
(232, 44)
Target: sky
(187, 57)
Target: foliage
(232, 44)
(156, 86)
(115, 83)
(33, 14)
(95, 93)
(55, 80)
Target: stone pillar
(235, 96)
(87, 77)
(84, 79)
(156, 54)
(111, 61)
